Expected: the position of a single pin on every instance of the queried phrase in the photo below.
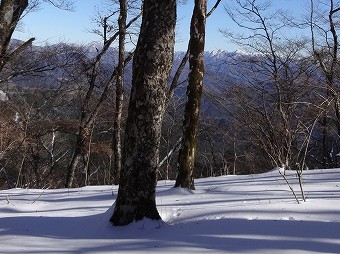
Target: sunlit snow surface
(229, 214)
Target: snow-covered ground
(230, 214)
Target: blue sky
(51, 25)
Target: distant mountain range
(220, 69)
(217, 62)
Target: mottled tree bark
(151, 69)
(117, 143)
(174, 83)
(187, 153)
(10, 13)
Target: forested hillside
(41, 109)
(274, 103)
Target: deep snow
(228, 214)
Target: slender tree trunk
(329, 69)
(88, 114)
(87, 119)
(187, 153)
(334, 63)
(174, 83)
(78, 154)
(151, 69)
(117, 146)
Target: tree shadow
(97, 235)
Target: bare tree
(274, 85)
(34, 82)
(151, 69)
(324, 32)
(10, 14)
(89, 111)
(187, 152)
(11, 11)
(174, 84)
(117, 128)
(175, 81)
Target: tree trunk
(10, 13)
(329, 69)
(151, 69)
(88, 113)
(187, 153)
(78, 153)
(117, 146)
(174, 83)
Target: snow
(3, 96)
(228, 214)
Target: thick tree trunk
(151, 68)
(187, 153)
(10, 13)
